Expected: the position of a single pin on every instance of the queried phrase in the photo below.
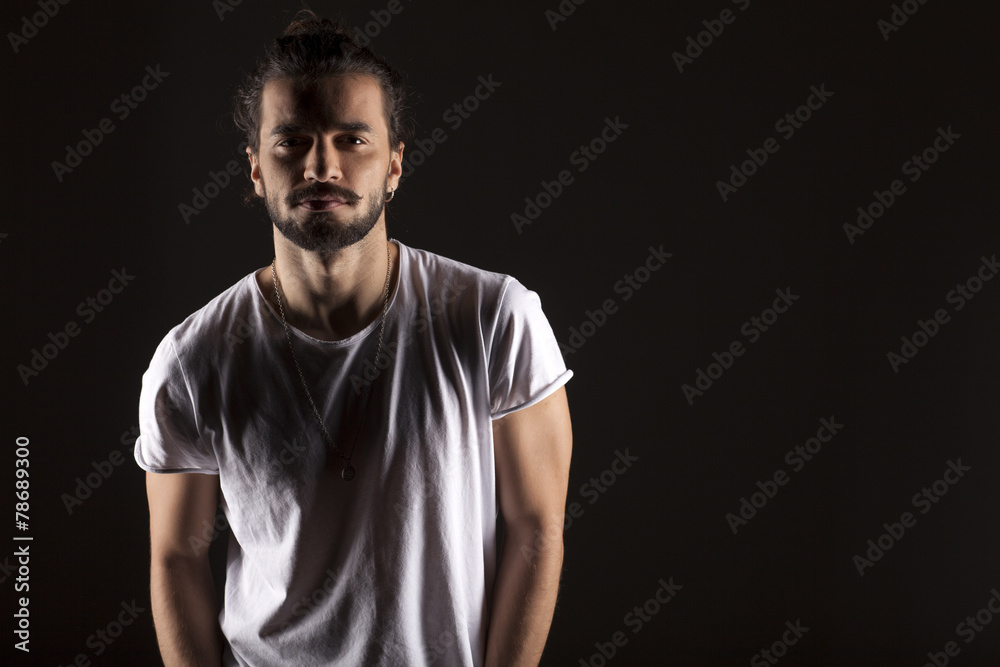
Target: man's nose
(322, 163)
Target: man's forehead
(326, 102)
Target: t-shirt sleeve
(525, 364)
(170, 437)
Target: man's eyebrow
(299, 128)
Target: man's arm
(185, 611)
(532, 449)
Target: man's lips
(323, 203)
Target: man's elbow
(538, 539)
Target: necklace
(348, 472)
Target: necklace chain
(348, 472)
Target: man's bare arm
(532, 448)
(185, 611)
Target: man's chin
(322, 233)
(319, 224)
(325, 231)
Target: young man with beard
(386, 404)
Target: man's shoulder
(225, 316)
(436, 272)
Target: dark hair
(312, 48)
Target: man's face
(324, 164)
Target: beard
(320, 231)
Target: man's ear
(396, 166)
(258, 185)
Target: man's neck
(331, 297)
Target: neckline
(350, 340)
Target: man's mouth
(322, 203)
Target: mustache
(316, 191)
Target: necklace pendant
(347, 473)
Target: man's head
(313, 48)
(325, 126)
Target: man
(377, 409)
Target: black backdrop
(756, 547)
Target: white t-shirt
(397, 566)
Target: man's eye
(354, 141)
(289, 143)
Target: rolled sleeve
(525, 364)
(170, 437)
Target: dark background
(665, 516)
